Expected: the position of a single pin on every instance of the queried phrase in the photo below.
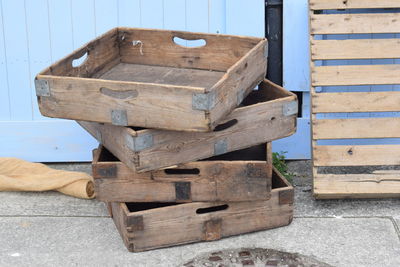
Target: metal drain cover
(253, 257)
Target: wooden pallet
(143, 78)
(146, 226)
(266, 114)
(208, 181)
(323, 25)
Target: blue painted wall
(35, 33)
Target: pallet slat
(355, 23)
(356, 102)
(355, 49)
(357, 155)
(329, 186)
(356, 75)
(352, 4)
(356, 128)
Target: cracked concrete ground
(48, 229)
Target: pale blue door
(35, 33)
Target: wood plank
(158, 48)
(355, 49)
(79, 98)
(209, 181)
(352, 4)
(331, 186)
(241, 78)
(356, 102)
(355, 23)
(160, 225)
(245, 127)
(356, 128)
(356, 75)
(356, 155)
(163, 75)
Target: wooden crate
(208, 181)
(142, 77)
(353, 89)
(268, 114)
(146, 226)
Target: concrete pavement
(49, 229)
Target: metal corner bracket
(42, 88)
(203, 101)
(139, 143)
(290, 108)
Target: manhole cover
(253, 257)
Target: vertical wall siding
(36, 33)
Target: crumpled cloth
(20, 175)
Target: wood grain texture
(355, 49)
(162, 227)
(208, 181)
(355, 23)
(219, 53)
(257, 123)
(356, 128)
(100, 52)
(238, 82)
(356, 102)
(163, 75)
(159, 96)
(330, 186)
(76, 98)
(356, 75)
(366, 185)
(356, 155)
(351, 4)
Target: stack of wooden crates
(185, 153)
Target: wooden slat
(355, 49)
(356, 128)
(355, 23)
(356, 75)
(356, 102)
(357, 155)
(351, 4)
(328, 186)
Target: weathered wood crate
(352, 85)
(146, 226)
(208, 181)
(142, 77)
(266, 114)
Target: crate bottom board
(162, 75)
(146, 226)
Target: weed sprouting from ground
(279, 161)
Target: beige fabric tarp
(20, 175)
